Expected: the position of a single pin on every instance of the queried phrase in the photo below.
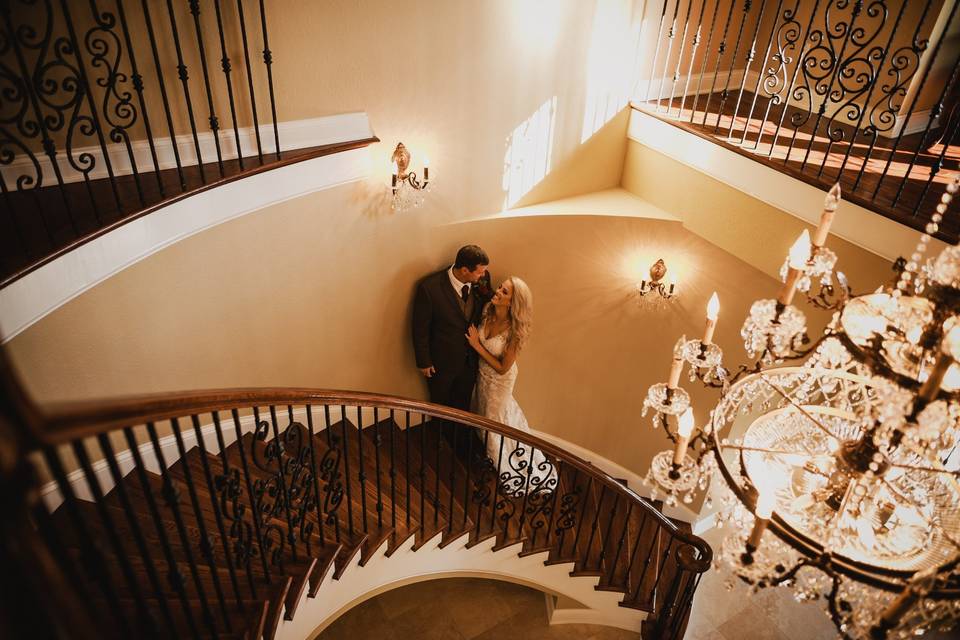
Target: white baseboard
(296, 134)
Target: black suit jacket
(439, 326)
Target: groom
(446, 303)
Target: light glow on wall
(529, 152)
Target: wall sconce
(406, 187)
(655, 283)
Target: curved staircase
(266, 513)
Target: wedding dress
(521, 469)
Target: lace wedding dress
(522, 470)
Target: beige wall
(757, 233)
(314, 293)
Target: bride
(503, 332)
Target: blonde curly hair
(521, 312)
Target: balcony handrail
(66, 422)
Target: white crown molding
(31, 297)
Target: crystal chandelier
(840, 477)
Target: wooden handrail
(68, 422)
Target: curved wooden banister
(67, 422)
(310, 479)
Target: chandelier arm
(912, 467)
(773, 451)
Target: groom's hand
(428, 371)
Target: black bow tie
(465, 292)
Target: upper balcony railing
(861, 93)
(111, 108)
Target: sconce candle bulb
(713, 310)
(798, 256)
(684, 431)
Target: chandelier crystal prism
(838, 457)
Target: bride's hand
(473, 337)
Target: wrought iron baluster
(662, 566)
(553, 505)
(251, 495)
(227, 68)
(703, 61)
(802, 57)
(94, 115)
(747, 6)
(315, 472)
(145, 622)
(171, 495)
(451, 485)
(174, 576)
(393, 472)
(586, 497)
(436, 488)
(184, 76)
(849, 109)
(837, 68)
(268, 61)
(228, 486)
(139, 540)
(567, 514)
(923, 81)
(763, 63)
(623, 535)
(496, 489)
(376, 457)
(158, 68)
(482, 490)
(676, 72)
(406, 464)
(218, 516)
(883, 53)
(423, 476)
(947, 140)
(253, 99)
(361, 475)
(935, 113)
(40, 126)
(887, 117)
(346, 466)
(93, 560)
(656, 51)
(282, 495)
(606, 535)
(721, 49)
(671, 34)
(206, 546)
(122, 115)
(471, 436)
(654, 542)
(593, 528)
(636, 546)
(138, 86)
(334, 489)
(693, 56)
(751, 54)
(214, 121)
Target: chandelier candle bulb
(713, 310)
(764, 510)
(426, 170)
(826, 218)
(799, 254)
(676, 367)
(684, 431)
(393, 183)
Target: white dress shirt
(456, 284)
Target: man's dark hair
(470, 256)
